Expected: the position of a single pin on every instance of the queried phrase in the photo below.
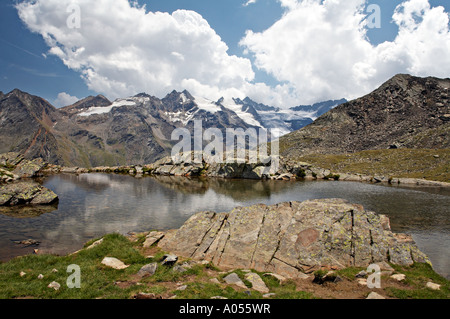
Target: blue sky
(26, 62)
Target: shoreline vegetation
(146, 276)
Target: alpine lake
(92, 205)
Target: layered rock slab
(292, 238)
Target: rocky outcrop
(26, 193)
(14, 166)
(291, 239)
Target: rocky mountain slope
(135, 130)
(405, 112)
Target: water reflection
(92, 205)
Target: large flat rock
(292, 238)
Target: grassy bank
(19, 278)
(427, 164)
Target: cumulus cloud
(121, 49)
(321, 50)
(317, 50)
(65, 99)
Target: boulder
(292, 239)
(23, 193)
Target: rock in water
(23, 193)
(292, 238)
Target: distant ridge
(404, 112)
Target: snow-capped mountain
(133, 130)
(183, 108)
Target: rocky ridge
(405, 112)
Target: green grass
(100, 281)
(417, 277)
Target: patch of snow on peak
(102, 110)
(184, 99)
(206, 105)
(237, 108)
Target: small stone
(54, 271)
(22, 274)
(374, 295)
(152, 238)
(399, 277)
(179, 269)
(433, 286)
(182, 288)
(54, 285)
(147, 270)
(114, 263)
(362, 281)
(233, 279)
(257, 283)
(361, 274)
(169, 260)
(215, 281)
(269, 295)
(218, 297)
(41, 276)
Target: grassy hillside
(428, 164)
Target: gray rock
(148, 270)
(257, 283)
(152, 238)
(291, 239)
(23, 193)
(169, 260)
(233, 279)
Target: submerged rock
(293, 238)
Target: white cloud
(320, 48)
(65, 99)
(249, 2)
(121, 49)
(317, 50)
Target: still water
(92, 205)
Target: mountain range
(135, 130)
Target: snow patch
(237, 108)
(206, 105)
(102, 110)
